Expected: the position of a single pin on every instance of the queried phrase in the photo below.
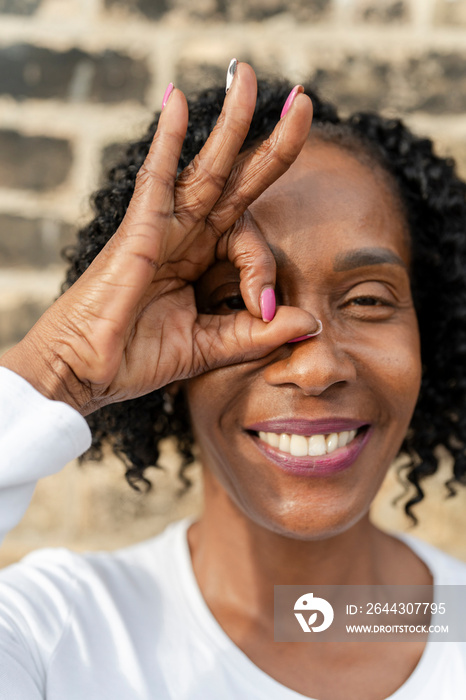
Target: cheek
(201, 410)
(392, 365)
(211, 400)
(216, 403)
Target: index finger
(243, 243)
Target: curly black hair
(434, 201)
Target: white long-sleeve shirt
(132, 624)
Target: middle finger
(251, 176)
(201, 183)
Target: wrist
(47, 372)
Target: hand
(130, 325)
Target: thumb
(240, 337)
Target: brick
(24, 296)
(209, 10)
(234, 10)
(155, 9)
(453, 149)
(110, 156)
(33, 162)
(432, 82)
(36, 242)
(16, 321)
(244, 10)
(459, 154)
(438, 82)
(76, 76)
(19, 7)
(152, 9)
(450, 12)
(382, 12)
(189, 77)
(358, 83)
(303, 11)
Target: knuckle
(228, 207)
(141, 177)
(204, 177)
(187, 218)
(237, 124)
(233, 124)
(252, 257)
(148, 176)
(277, 149)
(284, 156)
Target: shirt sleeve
(38, 437)
(36, 602)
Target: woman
(297, 409)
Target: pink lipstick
(321, 465)
(301, 426)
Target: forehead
(328, 190)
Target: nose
(313, 365)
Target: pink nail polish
(290, 99)
(301, 337)
(167, 94)
(267, 304)
(309, 335)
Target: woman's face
(341, 245)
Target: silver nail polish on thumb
(319, 328)
(231, 73)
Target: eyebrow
(364, 257)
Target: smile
(313, 446)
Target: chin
(309, 522)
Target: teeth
(343, 438)
(298, 446)
(284, 442)
(332, 442)
(315, 445)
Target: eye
(226, 299)
(367, 301)
(370, 301)
(233, 303)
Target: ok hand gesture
(130, 325)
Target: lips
(301, 426)
(314, 462)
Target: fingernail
(167, 94)
(231, 74)
(267, 304)
(290, 99)
(309, 335)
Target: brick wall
(78, 77)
